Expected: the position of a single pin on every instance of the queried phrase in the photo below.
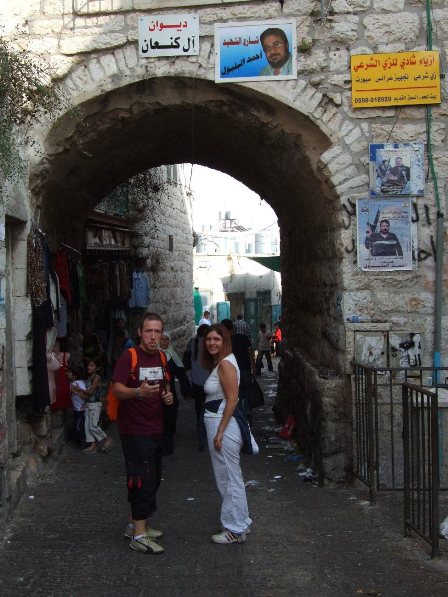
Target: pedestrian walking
(177, 371)
(244, 354)
(264, 349)
(223, 433)
(142, 388)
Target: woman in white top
(223, 433)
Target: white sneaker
(229, 537)
(151, 533)
(146, 545)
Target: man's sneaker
(151, 533)
(229, 537)
(146, 545)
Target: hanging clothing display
(36, 276)
(82, 283)
(63, 399)
(61, 265)
(140, 293)
(61, 324)
(39, 271)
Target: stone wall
(164, 239)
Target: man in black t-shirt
(244, 354)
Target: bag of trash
(444, 528)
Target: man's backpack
(112, 401)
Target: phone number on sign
(366, 100)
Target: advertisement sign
(256, 51)
(396, 169)
(395, 79)
(168, 35)
(384, 234)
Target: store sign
(168, 35)
(99, 237)
(395, 79)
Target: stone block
(348, 6)
(78, 44)
(406, 133)
(394, 6)
(403, 27)
(22, 317)
(23, 385)
(339, 59)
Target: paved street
(67, 540)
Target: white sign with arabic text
(168, 35)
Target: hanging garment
(63, 398)
(53, 365)
(140, 293)
(61, 266)
(36, 276)
(82, 283)
(74, 285)
(40, 387)
(62, 322)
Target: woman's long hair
(207, 359)
(199, 334)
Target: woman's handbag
(255, 395)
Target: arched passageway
(271, 148)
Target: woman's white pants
(228, 475)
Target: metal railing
(421, 463)
(378, 423)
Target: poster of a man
(256, 51)
(383, 243)
(276, 48)
(396, 169)
(384, 234)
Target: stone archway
(270, 147)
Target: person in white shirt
(264, 349)
(206, 318)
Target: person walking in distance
(242, 327)
(142, 389)
(264, 349)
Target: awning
(272, 262)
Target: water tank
(264, 243)
(228, 215)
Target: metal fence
(378, 423)
(421, 463)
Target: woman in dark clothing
(177, 371)
(198, 378)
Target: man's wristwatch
(137, 392)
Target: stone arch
(272, 147)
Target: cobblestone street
(66, 538)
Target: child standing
(95, 436)
(75, 376)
